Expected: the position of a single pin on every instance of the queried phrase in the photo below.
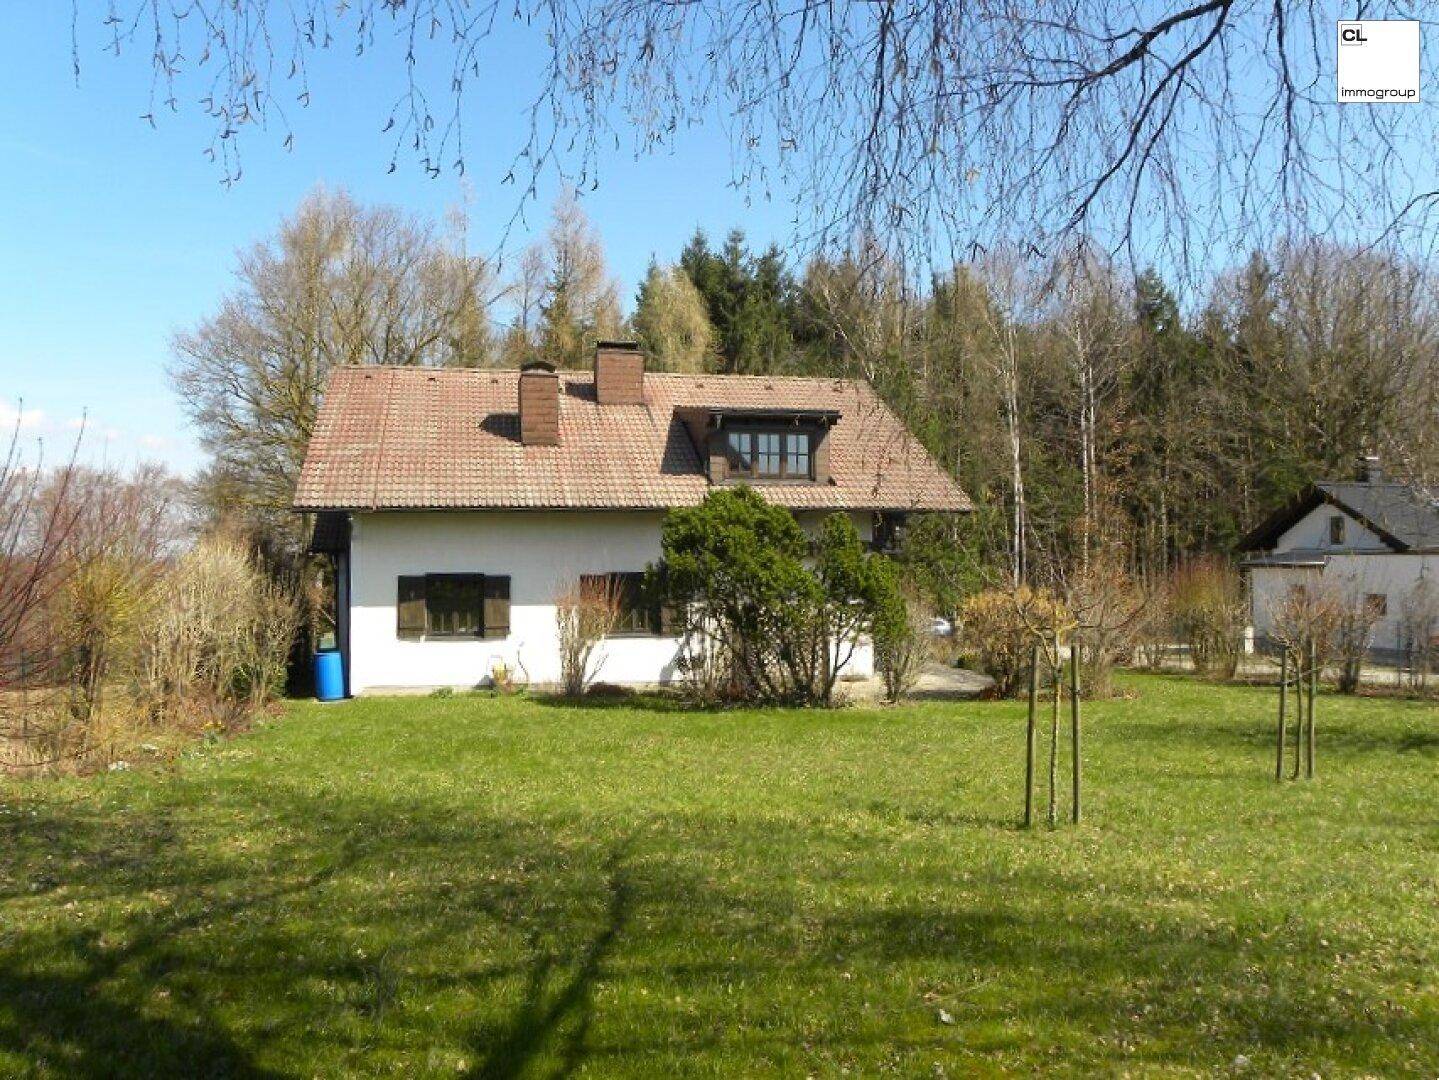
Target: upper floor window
(769, 454)
(1336, 529)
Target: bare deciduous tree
(934, 124)
(38, 514)
(339, 284)
(581, 302)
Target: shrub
(1356, 618)
(179, 649)
(584, 617)
(765, 615)
(219, 636)
(1206, 598)
(1108, 608)
(998, 628)
(96, 614)
(1307, 613)
(903, 639)
(1419, 633)
(1154, 628)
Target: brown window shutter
(410, 609)
(497, 606)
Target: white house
(1368, 537)
(459, 503)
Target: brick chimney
(539, 404)
(619, 373)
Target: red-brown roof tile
(428, 438)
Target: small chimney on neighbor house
(619, 373)
(1370, 471)
(539, 404)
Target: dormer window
(770, 453)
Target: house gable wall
(1311, 533)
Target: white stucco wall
(539, 551)
(1387, 573)
(1311, 532)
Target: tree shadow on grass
(145, 979)
(638, 702)
(544, 1012)
(547, 906)
(1338, 732)
(82, 1009)
(73, 1026)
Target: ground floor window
(439, 607)
(636, 616)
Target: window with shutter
(454, 604)
(410, 609)
(497, 606)
(637, 616)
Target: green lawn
(467, 886)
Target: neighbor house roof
(1404, 517)
(391, 438)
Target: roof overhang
(331, 534)
(752, 414)
(1284, 561)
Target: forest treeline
(1081, 405)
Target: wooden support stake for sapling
(1029, 735)
(1313, 693)
(1074, 722)
(1057, 670)
(1283, 701)
(1300, 683)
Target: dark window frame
(1336, 529)
(638, 617)
(785, 432)
(471, 614)
(484, 615)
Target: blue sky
(115, 235)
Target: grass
(472, 887)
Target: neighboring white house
(459, 503)
(1367, 537)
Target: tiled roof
(433, 438)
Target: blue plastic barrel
(329, 675)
